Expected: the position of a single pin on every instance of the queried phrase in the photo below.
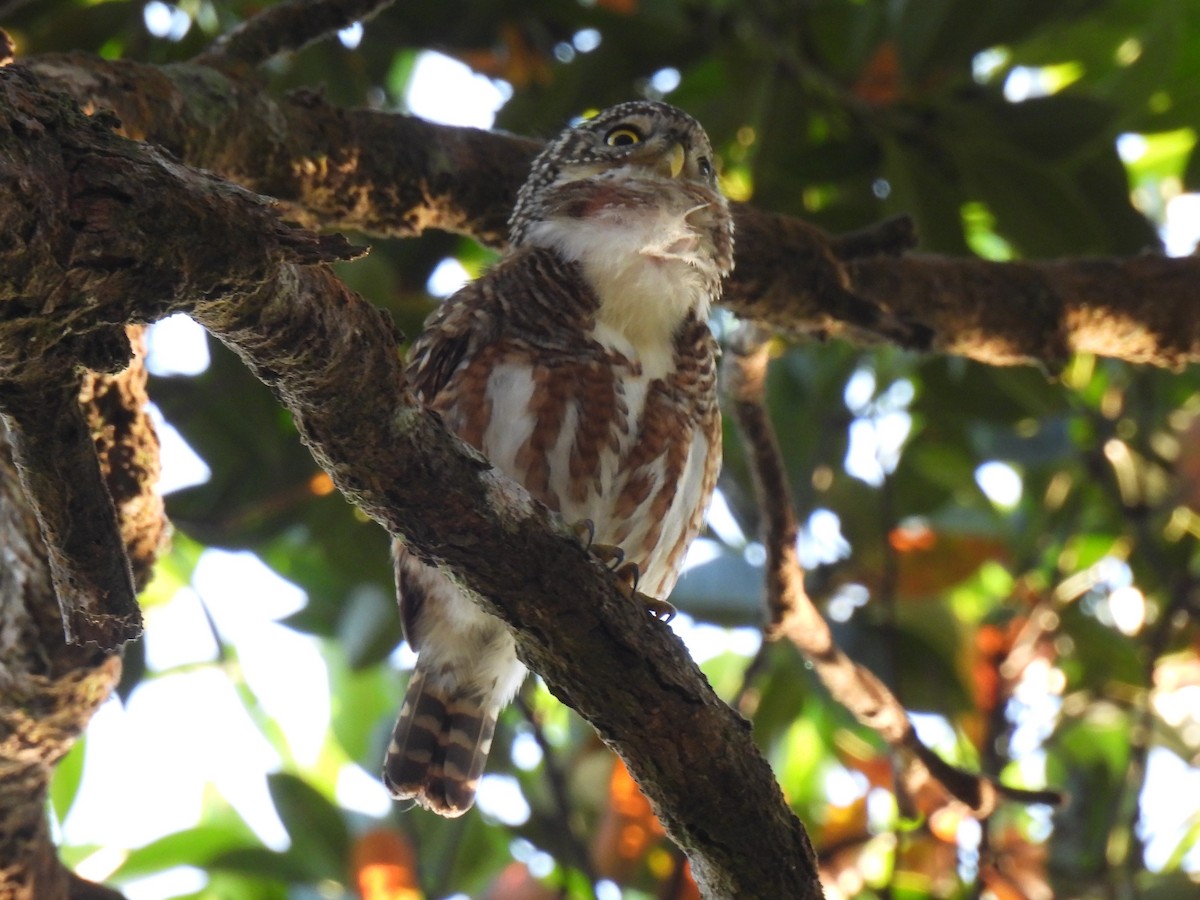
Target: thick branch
(67, 195)
(314, 341)
(1140, 309)
(355, 169)
(334, 361)
(391, 174)
(49, 689)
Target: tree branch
(395, 175)
(70, 199)
(49, 689)
(286, 26)
(181, 240)
(56, 462)
(791, 613)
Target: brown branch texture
(111, 232)
(395, 175)
(147, 236)
(792, 615)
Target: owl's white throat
(646, 265)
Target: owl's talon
(630, 574)
(584, 531)
(609, 554)
(660, 609)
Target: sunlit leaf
(384, 866)
(65, 784)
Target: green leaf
(1037, 206)
(222, 884)
(1055, 127)
(1187, 843)
(291, 867)
(920, 30)
(364, 703)
(938, 35)
(67, 775)
(320, 838)
(923, 184)
(192, 847)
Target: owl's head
(638, 139)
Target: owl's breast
(600, 437)
(652, 252)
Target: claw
(584, 531)
(660, 609)
(630, 574)
(609, 554)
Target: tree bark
(395, 175)
(99, 232)
(138, 236)
(49, 688)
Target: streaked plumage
(582, 366)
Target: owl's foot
(609, 554)
(628, 573)
(660, 609)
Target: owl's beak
(671, 163)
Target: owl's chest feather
(648, 271)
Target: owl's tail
(439, 746)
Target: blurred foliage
(1044, 631)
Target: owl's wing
(467, 669)
(531, 304)
(528, 311)
(454, 332)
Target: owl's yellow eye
(623, 136)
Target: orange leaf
(930, 562)
(627, 830)
(943, 823)
(518, 61)
(385, 867)
(844, 823)
(879, 82)
(620, 7)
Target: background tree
(1002, 530)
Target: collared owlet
(582, 366)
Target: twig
(892, 237)
(792, 614)
(746, 384)
(745, 701)
(287, 26)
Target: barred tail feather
(439, 746)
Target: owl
(582, 366)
